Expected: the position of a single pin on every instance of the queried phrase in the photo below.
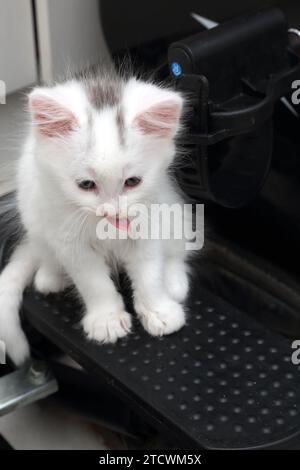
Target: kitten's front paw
(163, 319)
(47, 282)
(106, 328)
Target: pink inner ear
(161, 119)
(51, 118)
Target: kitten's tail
(14, 279)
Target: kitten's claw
(106, 329)
(165, 319)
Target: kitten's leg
(158, 312)
(50, 279)
(176, 278)
(50, 276)
(106, 319)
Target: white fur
(60, 219)
(13, 281)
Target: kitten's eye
(132, 182)
(87, 185)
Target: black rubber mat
(223, 381)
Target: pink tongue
(120, 224)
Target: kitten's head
(105, 140)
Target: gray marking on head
(90, 139)
(103, 91)
(121, 124)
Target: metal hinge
(26, 385)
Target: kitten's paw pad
(106, 329)
(177, 284)
(46, 282)
(163, 320)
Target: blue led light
(176, 69)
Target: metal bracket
(26, 385)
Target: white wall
(69, 36)
(17, 48)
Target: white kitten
(94, 145)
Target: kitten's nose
(111, 213)
(108, 210)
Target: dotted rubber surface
(223, 381)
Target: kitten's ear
(51, 116)
(157, 111)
